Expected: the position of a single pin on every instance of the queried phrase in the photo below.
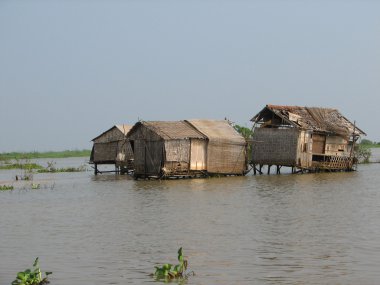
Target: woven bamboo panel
(335, 163)
(226, 158)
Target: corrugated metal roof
(318, 119)
(173, 129)
(219, 130)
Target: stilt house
(304, 138)
(113, 147)
(180, 149)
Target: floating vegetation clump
(168, 272)
(18, 165)
(36, 186)
(31, 276)
(52, 169)
(6, 187)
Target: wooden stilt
(269, 166)
(260, 169)
(254, 169)
(96, 169)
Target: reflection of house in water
(113, 147)
(303, 138)
(187, 149)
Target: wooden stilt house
(303, 138)
(186, 149)
(113, 147)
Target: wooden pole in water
(96, 169)
(350, 165)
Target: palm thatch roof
(124, 129)
(171, 130)
(218, 130)
(322, 120)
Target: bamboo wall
(226, 158)
(105, 152)
(274, 146)
(112, 148)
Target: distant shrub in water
(31, 276)
(363, 154)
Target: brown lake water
(276, 229)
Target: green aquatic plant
(31, 276)
(36, 186)
(6, 187)
(169, 272)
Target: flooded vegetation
(318, 228)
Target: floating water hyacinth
(31, 276)
(169, 272)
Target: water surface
(277, 229)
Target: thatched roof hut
(186, 148)
(113, 147)
(303, 137)
(163, 148)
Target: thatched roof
(324, 120)
(124, 129)
(171, 129)
(218, 130)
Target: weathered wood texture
(148, 150)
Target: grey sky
(71, 69)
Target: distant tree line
(369, 143)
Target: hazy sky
(69, 70)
